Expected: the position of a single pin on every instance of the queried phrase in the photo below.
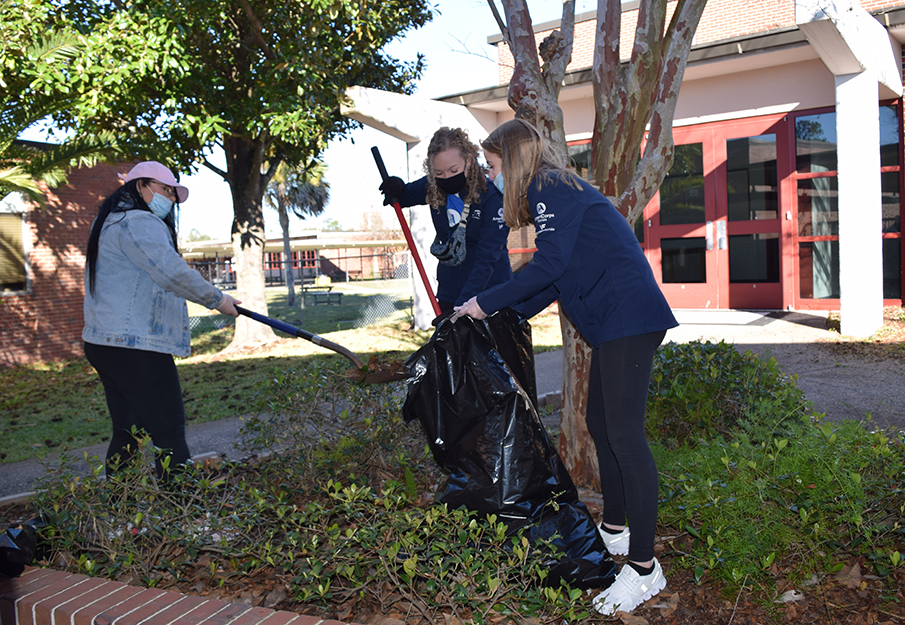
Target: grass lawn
(362, 304)
(57, 406)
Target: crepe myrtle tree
(261, 80)
(302, 193)
(635, 96)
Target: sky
(458, 59)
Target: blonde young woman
(461, 198)
(589, 259)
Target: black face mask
(453, 184)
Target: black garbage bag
(472, 387)
(17, 549)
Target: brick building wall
(45, 323)
(722, 19)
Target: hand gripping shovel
(408, 235)
(369, 374)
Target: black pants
(142, 390)
(617, 403)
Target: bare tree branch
(658, 153)
(556, 49)
(215, 169)
(499, 19)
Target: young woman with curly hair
(467, 212)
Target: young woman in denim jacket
(454, 180)
(589, 259)
(136, 318)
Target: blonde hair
(444, 139)
(525, 155)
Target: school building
(785, 192)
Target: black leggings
(142, 389)
(617, 402)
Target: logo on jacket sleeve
(542, 220)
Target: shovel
(361, 373)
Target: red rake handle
(408, 235)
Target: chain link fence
(325, 303)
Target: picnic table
(322, 294)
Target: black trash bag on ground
(17, 549)
(472, 387)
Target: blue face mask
(160, 206)
(498, 181)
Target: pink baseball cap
(160, 173)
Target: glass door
(681, 234)
(749, 199)
(716, 227)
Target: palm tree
(304, 193)
(25, 165)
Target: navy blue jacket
(486, 261)
(590, 260)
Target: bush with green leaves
(334, 504)
(807, 499)
(750, 476)
(700, 390)
(336, 508)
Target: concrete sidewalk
(744, 328)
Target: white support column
(866, 63)
(860, 208)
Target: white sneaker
(616, 544)
(629, 590)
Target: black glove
(443, 315)
(392, 189)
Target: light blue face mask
(160, 205)
(498, 181)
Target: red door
(715, 229)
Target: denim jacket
(141, 284)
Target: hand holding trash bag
(470, 308)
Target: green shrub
(336, 506)
(805, 499)
(702, 390)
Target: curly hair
(445, 139)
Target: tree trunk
(534, 88)
(244, 160)
(636, 101)
(627, 98)
(287, 256)
(576, 447)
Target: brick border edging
(46, 597)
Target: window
(818, 198)
(682, 191)
(13, 257)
